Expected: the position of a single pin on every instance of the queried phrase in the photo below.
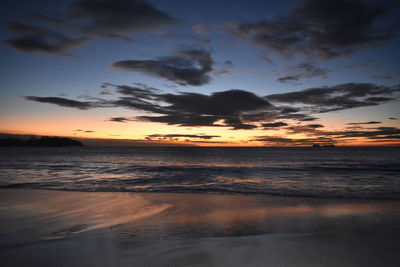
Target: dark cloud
(375, 132)
(379, 99)
(105, 93)
(64, 102)
(277, 140)
(317, 136)
(139, 90)
(309, 119)
(183, 120)
(120, 119)
(138, 104)
(386, 138)
(391, 118)
(220, 109)
(295, 116)
(236, 109)
(274, 124)
(287, 110)
(206, 141)
(222, 73)
(314, 126)
(83, 131)
(224, 103)
(225, 108)
(91, 18)
(308, 128)
(379, 133)
(177, 136)
(237, 123)
(139, 97)
(26, 29)
(187, 67)
(111, 18)
(42, 40)
(363, 123)
(289, 78)
(320, 29)
(303, 71)
(339, 97)
(228, 63)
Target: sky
(207, 73)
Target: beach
(153, 133)
(62, 228)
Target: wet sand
(58, 228)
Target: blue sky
(252, 46)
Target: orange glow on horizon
(120, 141)
(93, 129)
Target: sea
(334, 172)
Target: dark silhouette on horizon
(43, 141)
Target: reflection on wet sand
(58, 228)
(56, 214)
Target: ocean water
(339, 172)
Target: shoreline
(200, 192)
(69, 228)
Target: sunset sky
(231, 73)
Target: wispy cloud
(317, 136)
(179, 136)
(63, 102)
(236, 109)
(112, 18)
(302, 71)
(120, 119)
(35, 39)
(88, 19)
(339, 97)
(186, 67)
(364, 123)
(274, 124)
(319, 29)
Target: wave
(364, 192)
(360, 173)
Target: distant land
(6, 138)
(42, 141)
(92, 141)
